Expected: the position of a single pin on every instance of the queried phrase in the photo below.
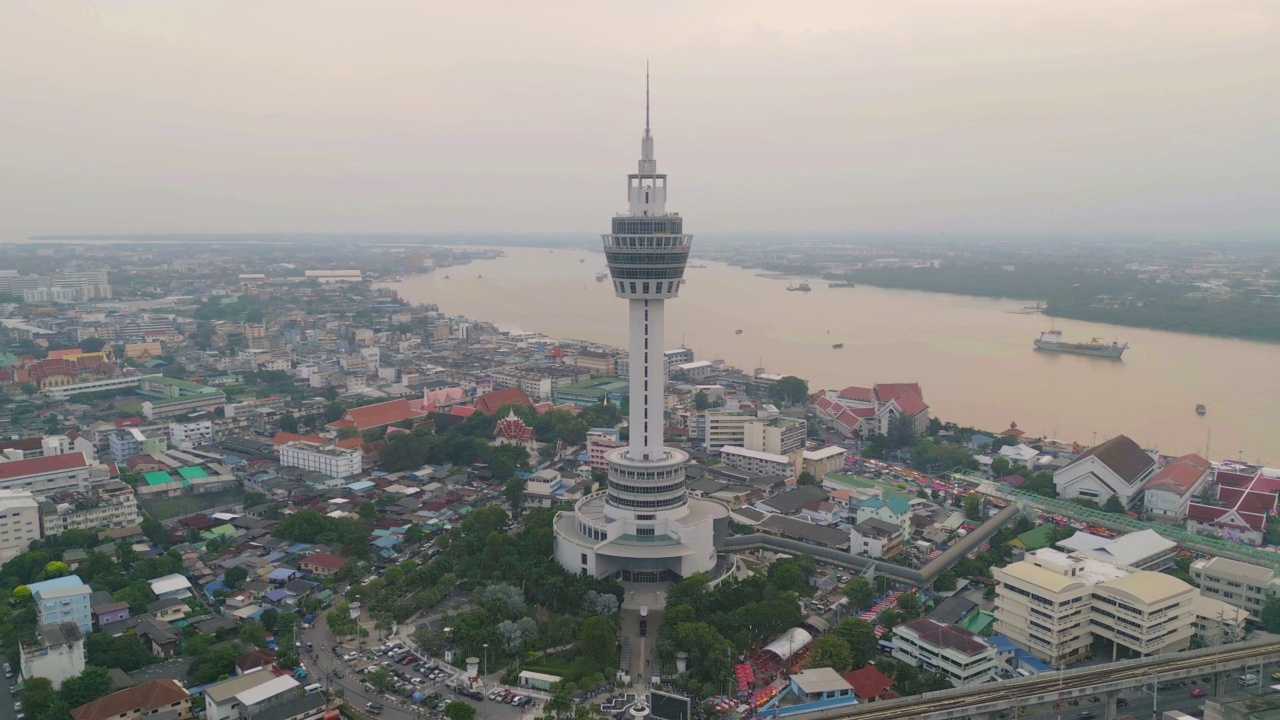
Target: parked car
(1199, 692)
(373, 707)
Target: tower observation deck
(643, 527)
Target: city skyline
(919, 118)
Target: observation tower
(644, 528)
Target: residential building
(810, 690)
(171, 586)
(717, 428)
(228, 699)
(1219, 623)
(110, 505)
(322, 564)
(18, 510)
(127, 442)
(34, 447)
(597, 361)
(870, 685)
(599, 442)
(964, 658)
(151, 698)
(539, 382)
(46, 475)
(822, 461)
(331, 460)
(1240, 513)
(876, 538)
(64, 599)
(187, 435)
(894, 510)
(1240, 584)
(1054, 604)
(1117, 467)
(55, 652)
(1168, 493)
(779, 435)
(754, 461)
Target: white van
(1248, 680)
(313, 688)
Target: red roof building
(137, 702)
(869, 684)
(1243, 504)
(322, 564)
(511, 430)
(1167, 495)
(491, 403)
(377, 415)
(282, 438)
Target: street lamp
(486, 659)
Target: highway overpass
(990, 699)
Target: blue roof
(1002, 644)
(281, 574)
(360, 486)
(275, 556)
(232, 460)
(276, 595)
(1027, 660)
(299, 547)
(67, 581)
(386, 541)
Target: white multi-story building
(1168, 493)
(329, 459)
(112, 505)
(63, 392)
(644, 528)
(46, 475)
(18, 510)
(753, 461)
(1240, 584)
(765, 431)
(1054, 604)
(1117, 467)
(56, 652)
(186, 435)
(964, 658)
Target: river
(972, 356)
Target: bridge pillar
(1109, 711)
(1220, 683)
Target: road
(1140, 704)
(324, 662)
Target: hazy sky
(982, 116)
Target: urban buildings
(19, 522)
(334, 461)
(1054, 604)
(1240, 511)
(64, 599)
(861, 412)
(1117, 467)
(1142, 550)
(876, 538)
(377, 415)
(600, 441)
(109, 505)
(1240, 584)
(55, 652)
(1168, 493)
(644, 527)
(186, 435)
(151, 698)
(46, 475)
(964, 658)
(753, 461)
(174, 398)
(762, 431)
(822, 461)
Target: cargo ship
(802, 287)
(1051, 340)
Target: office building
(331, 460)
(1054, 604)
(45, 476)
(1240, 584)
(644, 527)
(762, 431)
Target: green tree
(37, 694)
(1113, 505)
(788, 577)
(909, 606)
(86, 687)
(348, 432)
(789, 390)
(1271, 614)
(56, 569)
(946, 582)
(1000, 466)
(807, 478)
(235, 577)
(381, 679)
(458, 710)
(289, 423)
(513, 491)
(861, 639)
(860, 593)
(973, 506)
(253, 633)
(888, 619)
(700, 400)
(830, 651)
(596, 641)
(29, 388)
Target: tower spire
(646, 97)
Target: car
(309, 646)
(337, 650)
(351, 656)
(1087, 715)
(514, 699)
(337, 674)
(17, 707)
(416, 681)
(644, 627)
(373, 707)
(524, 701)
(1121, 702)
(1199, 692)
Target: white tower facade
(643, 527)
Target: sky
(962, 117)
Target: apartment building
(64, 599)
(964, 658)
(329, 459)
(55, 652)
(876, 538)
(1240, 584)
(19, 523)
(1054, 604)
(34, 447)
(186, 435)
(825, 460)
(763, 431)
(112, 505)
(599, 442)
(540, 382)
(127, 442)
(752, 461)
(151, 698)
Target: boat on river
(837, 346)
(1051, 341)
(802, 287)
(1201, 409)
